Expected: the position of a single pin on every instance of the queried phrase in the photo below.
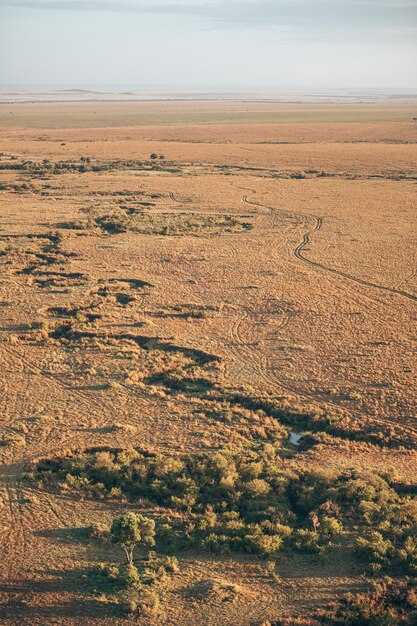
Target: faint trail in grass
(318, 222)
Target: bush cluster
(135, 588)
(169, 223)
(391, 603)
(250, 501)
(228, 501)
(84, 164)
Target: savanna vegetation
(251, 500)
(207, 373)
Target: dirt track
(315, 302)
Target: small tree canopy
(131, 530)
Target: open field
(65, 114)
(184, 278)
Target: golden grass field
(278, 238)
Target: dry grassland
(267, 251)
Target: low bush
(177, 224)
(390, 603)
(249, 501)
(227, 501)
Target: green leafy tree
(131, 530)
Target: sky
(213, 44)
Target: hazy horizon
(210, 88)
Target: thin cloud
(340, 17)
(209, 6)
(115, 6)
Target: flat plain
(162, 261)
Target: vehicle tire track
(298, 252)
(264, 361)
(85, 398)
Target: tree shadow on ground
(65, 535)
(74, 593)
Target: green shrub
(266, 545)
(112, 572)
(131, 576)
(149, 605)
(307, 541)
(374, 549)
(330, 526)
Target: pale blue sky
(224, 43)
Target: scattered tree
(131, 530)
